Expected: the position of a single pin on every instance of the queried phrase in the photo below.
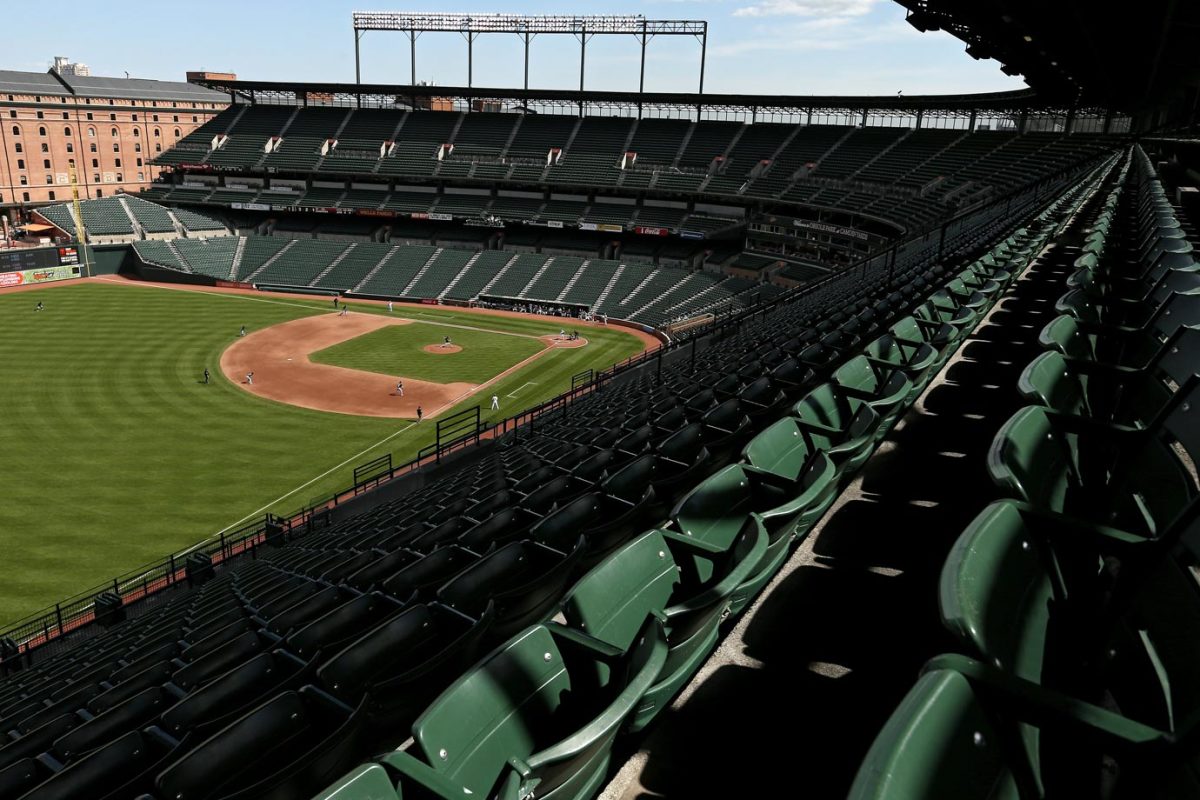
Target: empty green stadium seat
(845, 427)
(737, 497)
(537, 715)
(881, 387)
(686, 581)
(1117, 475)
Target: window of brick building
(18, 147)
(51, 195)
(45, 147)
(42, 130)
(117, 162)
(20, 163)
(25, 196)
(46, 163)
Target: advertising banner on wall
(31, 276)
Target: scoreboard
(28, 265)
(23, 258)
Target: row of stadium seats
(466, 207)
(673, 155)
(283, 668)
(1074, 601)
(648, 294)
(116, 216)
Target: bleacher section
(113, 219)
(493, 630)
(395, 271)
(908, 177)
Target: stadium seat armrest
(1045, 708)
(579, 640)
(1071, 532)
(731, 580)
(1112, 372)
(420, 773)
(615, 712)
(704, 548)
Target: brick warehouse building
(110, 128)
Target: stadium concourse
(919, 526)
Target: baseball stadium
(385, 441)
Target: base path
(278, 357)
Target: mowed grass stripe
(114, 454)
(399, 350)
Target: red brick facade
(110, 142)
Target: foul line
(281, 498)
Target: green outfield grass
(114, 453)
(399, 350)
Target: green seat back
(826, 407)
(907, 328)
(939, 743)
(1140, 489)
(857, 373)
(367, 782)
(1064, 335)
(781, 449)
(1048, 381)
(715, 511)
(494, 712)
(1028, 460)
(995, 591)
(612, 601)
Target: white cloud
(806, 8)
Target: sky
(754, 46)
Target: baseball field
(115, 452)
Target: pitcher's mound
(442, 349)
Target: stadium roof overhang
(368, 94)
(1135, 57)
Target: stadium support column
(703, 59)
(412, 49)
(644, 37)
(583, 37)
(527, 36)
(470, 37)
(357, 63)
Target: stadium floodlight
(582, 26)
